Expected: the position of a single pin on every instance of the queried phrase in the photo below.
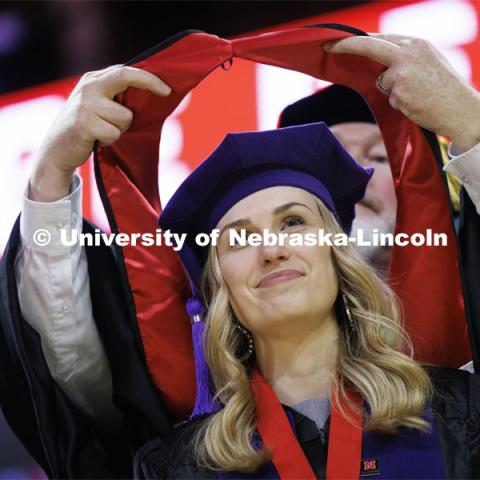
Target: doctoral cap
(307, 157)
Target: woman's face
(277, 286)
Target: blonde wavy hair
(374, 360)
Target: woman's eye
(378, 159)
(239, 238)
(235, 241)
(293, 221)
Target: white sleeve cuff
(41, 221)
(453, 152)
(466, 167)
(468, 367)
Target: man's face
(378, 208)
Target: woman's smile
(279, 277)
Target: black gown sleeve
(171, 458)
(61, 438)
(469, 264)
(473, 424)
(456, 412)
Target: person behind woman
(311, 329)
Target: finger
(98, 73)
(118, 80)
(114, 113)
(377, 49)
(385, 82)
(94, 74)
(395, 38)
(393, 101)
(106, 133)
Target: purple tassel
(204, 403)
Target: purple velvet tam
(307, 157)
(332, 105)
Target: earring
(249, 338)
(351, 321)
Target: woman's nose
(272, 255)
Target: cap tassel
(204, 402)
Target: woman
(296, 334)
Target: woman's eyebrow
(241, 222)
(283, 208)
(237, 223)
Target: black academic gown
(456, 413)
(61, 438)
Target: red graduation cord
(344, 438)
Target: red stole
(344, 439)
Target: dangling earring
(351, 321)
(249, 338)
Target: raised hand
(421, 84)
(89, 115)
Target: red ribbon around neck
(344, 438)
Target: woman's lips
(278, 277)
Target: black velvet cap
(332, 105)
